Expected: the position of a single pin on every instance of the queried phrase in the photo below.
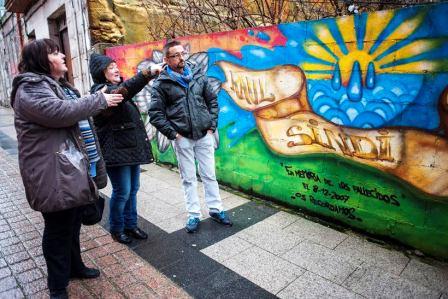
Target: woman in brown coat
(57, 171)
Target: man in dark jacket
(185, 109)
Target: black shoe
(136, 233)
(59, 294)
(86, 273)
(121, 238)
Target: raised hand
(112, 99)
(155, 69)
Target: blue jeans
(123, 203)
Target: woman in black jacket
(124, 144)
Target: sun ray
(346, 27)
(376, 22)
(316, 67)
(319, 52)
(403, 31)
(325, 36)
(360, 30)
(412, 49)
(417, 67)
(312, 76)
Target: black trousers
(60, 245)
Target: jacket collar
(34, 78)
(196, 73)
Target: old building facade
(65, 21)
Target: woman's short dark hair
(34, 57)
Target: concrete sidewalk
(268, 252)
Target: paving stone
(12, 294)
(172, 291)
(36, 218)
(322, 261)
(431, 276)
(29, 236)
(20, 224)
(171, 196)
(233, 201)
(39, 260)
(34, 286)
(270, 237)
(139, 290)
(4, 272)
(7, 234)
(124, 280)
(310, 285)
(33, 243)
(282, 219)
(13, 249)
(17, 257)
(362, 250)
(129, 259)
(226, 248)
(113, 270)
(173, 223)
(100, 287)
(2, 263)
(104, 240)
(29, 276)
(9, 208)
(7, 283)
(317, 233)
(373, 282)
(156, 211)
(115, 247)
(96, 231)
(151, 185)
(16, 219)
(76, 290)
(106, 261)
(35, 251)
(264, 269)
(97, 252)
(12, 214)
(23, 266)
(9, 241)
(87, 245)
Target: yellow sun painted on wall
(381, 41)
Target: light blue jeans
(187, 150)
(123, 203)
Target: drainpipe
(20, 30)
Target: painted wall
(345, 118)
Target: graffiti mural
(345, 118)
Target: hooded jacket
(120, 130)
(190, 111)
(52, 159)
